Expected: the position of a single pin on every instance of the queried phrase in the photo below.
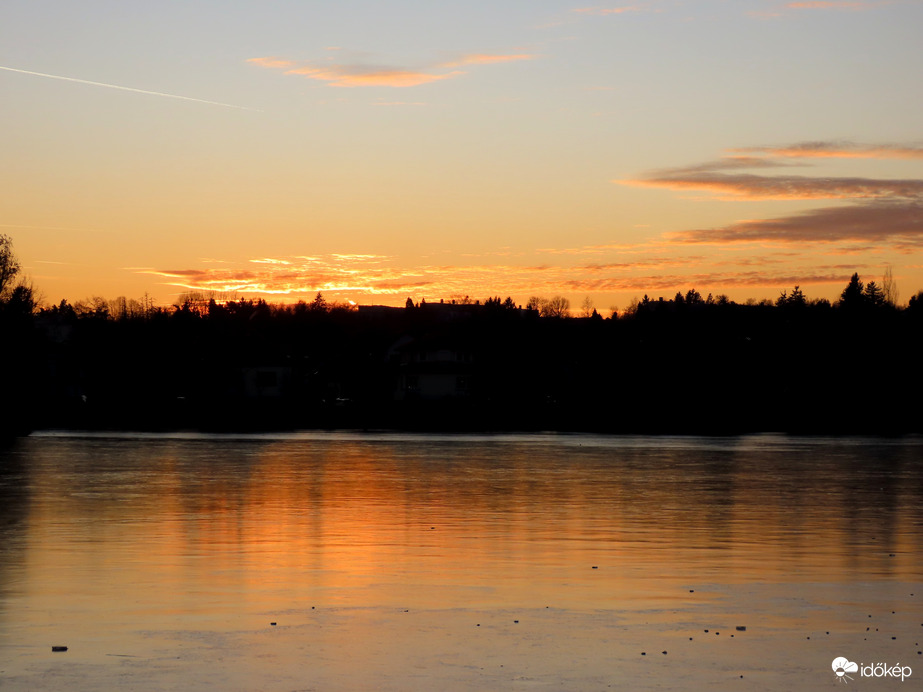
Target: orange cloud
(341, 75)
(359, 75)
(707, 281)
(622, 248)
(643, 264)
(726, 176)
(355, 75)
(274, 63)
(370, 276)
(758, 187)
(842, 150)
(898, 223)
(661, 265)
(886, 213)
(337, 274)
(269, 260)
(483, 59)
(728, 163)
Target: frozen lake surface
(341, 561)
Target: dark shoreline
(707, 367)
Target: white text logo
(842, 667)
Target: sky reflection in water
(117, 538)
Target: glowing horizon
(375, 154)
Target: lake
(348, 561)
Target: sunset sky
(380, 150)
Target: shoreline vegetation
(683, 365)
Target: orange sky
(375, 153)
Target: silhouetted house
(379, 311)
(267, 382)
(430, 370)
(450, 312)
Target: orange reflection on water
(170, 549)
(279, 524)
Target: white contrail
(125, 88)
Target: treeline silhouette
(686, 364)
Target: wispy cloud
(387, 279)
(622, 248)
(727, 177)
(745, 186)
(354, 75)
(269, 260)
(368, 75)
(839, 150)
(486, 59)
(355, 274)
(709, 281)
(272, 63)
(364, 76)
(125, 88)
(727, 163)
(645, 263)
(896, 222)
(882, 211)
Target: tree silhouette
(17, 296)
(889, 287)
(319, 304)
(873, 295)
(586, 307)
(558, 307)
(9, 267)
(915, 304)
(796, 299)
(852, 295)
(693, 297)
